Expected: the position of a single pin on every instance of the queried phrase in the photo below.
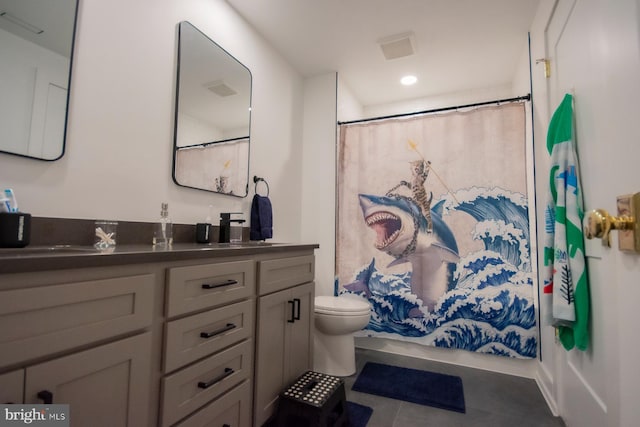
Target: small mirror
(36, 45)
(213, 114)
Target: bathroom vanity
(144, 337)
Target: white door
(594, 54)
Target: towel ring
(256, 180)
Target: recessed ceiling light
(408, 80)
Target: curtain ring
(256, 180)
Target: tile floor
(491, 399)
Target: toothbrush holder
(15, 229)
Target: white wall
(119, 147)
(319, 175)
(322, 108)
(441, 101)
(521, 84)
(349, 108)
(194, 131)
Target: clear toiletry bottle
(163, 231)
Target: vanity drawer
(36, 322)
(232, 409)
(186, 339)
(277, 274)
(190, 388)
(197, 287)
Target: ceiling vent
(397, 46)
(220, 88)
(17, 21)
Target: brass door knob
(600, 224)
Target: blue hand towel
(261, 218)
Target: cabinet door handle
(219, 285)
(293, 311)
(217, 332)
(296, 305)
(46, 396)
(227, 372)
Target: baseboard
(546, 393)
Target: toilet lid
(342, 305)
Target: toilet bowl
(336, 319)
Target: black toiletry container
(15, 229)
(203, 232)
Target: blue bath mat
(412, 385)
(358, 414)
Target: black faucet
(225, 225)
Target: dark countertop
(42, 258)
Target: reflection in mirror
(213, 112)
(36, 45)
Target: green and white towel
(566, 287)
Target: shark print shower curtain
(433, 229)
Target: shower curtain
(215, 167)
(433, 229)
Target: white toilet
(336, 319)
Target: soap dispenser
(226, 229)
(203, 229)
(163, 230)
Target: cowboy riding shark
(402, 232)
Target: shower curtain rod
(526, 97)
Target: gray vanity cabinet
(284, 329)
(11, 387)
(82, 338)
(104, 386)
(209, 346)
(300, 348)
(172, 339)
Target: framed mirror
(36, 47)
(212, 117)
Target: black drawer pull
(293, 312)
(227, 372)
(219, 285)
(296, 304)
(226, 425)
(218, 332)
(46, 396)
